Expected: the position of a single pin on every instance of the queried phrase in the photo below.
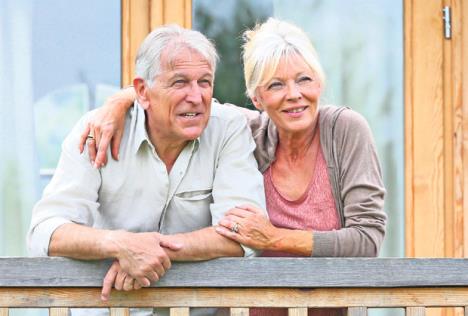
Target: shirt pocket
(188, 211)
(197, 195)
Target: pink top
(315, 210)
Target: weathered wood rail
(294, 283)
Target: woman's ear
(142, 92)
(256, 103)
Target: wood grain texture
(416, 311)
(179, 311)
(448, 143)
(298, 311)
(408, 123)
(428, 130)
(464, 23)
(135, 27)
(62, 311)
(455, 85)
(236, 297)
(119, 312)
(254, 272)
(357, 311)
(156, 13)
(239, 311)
(3, 311)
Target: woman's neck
(296, 146)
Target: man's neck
(168, 149)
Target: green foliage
(227, 35)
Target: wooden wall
(139, 17)
(436, 132)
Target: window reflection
(360, 44)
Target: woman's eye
(305, 79)
(274, 85)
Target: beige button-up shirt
(211, 175)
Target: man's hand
(141, 256)
(119, 279)
(142, 260)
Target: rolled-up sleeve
(70, 197)
(237, 179)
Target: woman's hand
(247, 225)
(107, 127)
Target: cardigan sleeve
(358, 173)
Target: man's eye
(205, 83)
(179, 83)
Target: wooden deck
(239, 284)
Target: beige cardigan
(355, 177)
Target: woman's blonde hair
(267, 43)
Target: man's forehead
(183, 58)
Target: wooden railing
(415, 284)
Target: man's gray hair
(171, 37)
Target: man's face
(179, 100)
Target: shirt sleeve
(71, 195)
(362, 193)
(237, 180)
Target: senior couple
(189, 176)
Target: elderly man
(184, 163)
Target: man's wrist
(111, 243)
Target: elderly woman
(322, 177)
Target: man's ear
(142, 92)
(256, 103)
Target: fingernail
(103, 298)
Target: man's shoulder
(225, 112)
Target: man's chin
(191, 133)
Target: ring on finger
(235, 228)
(90, 137)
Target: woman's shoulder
(342, 118)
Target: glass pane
(57, 59)
(360, 43)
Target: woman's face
(291, 97)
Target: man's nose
(194, 94)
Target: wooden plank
(156, 13)
(179, 311)
(428, 130)
(464, 22)
(466, 310)
(357, 311)
(455, 84)
(174, 12)
(62, 311)
(448, 143)
(188, 14)
(415, 311)
(228, 297)
(3, 311)
(239, 311)
(409, 150)
(409, 102)
(255, 272)
(119, 312)
(297, 311)
(135, 27)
